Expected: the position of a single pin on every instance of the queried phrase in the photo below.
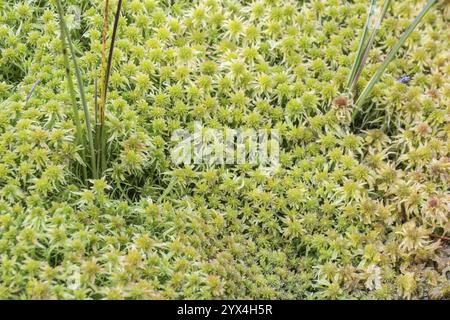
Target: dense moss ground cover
(356, 209)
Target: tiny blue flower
(404, 79)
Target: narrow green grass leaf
(369, 45)
(103, 66)
(362, 41)
(76, 118)
(80, 88)
(105, 88)
(99, 118)
(111, 47)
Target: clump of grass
(97, 147)
(363, 52)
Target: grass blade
(103, 67)
(65, 32)
(96, 131)
(361, 44)
(369, 45)
(95, 97)
(391, 56)
(76, 118)
(31, 91)
(111, 48)
(101, 106)
(105, 87)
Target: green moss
(349, 214)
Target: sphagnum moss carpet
(356, 205)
